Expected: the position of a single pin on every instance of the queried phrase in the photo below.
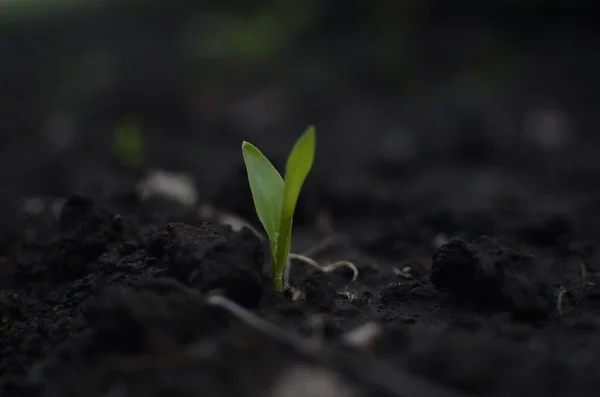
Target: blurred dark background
(393, 86)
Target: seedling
(275, 198)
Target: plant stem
(278, 279)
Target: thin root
(328, 268)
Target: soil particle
(152, 316)
(304, 381)
(113, 289)
(407, 291)
(103, 294)
(487, 273)
(85, 231)
(211, 257)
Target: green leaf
(298, 166)
(275, 199)
(267, 189)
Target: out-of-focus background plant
(413, 81)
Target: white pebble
(178, 187)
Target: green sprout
(275, 198)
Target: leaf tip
(311, 131)
(248, 147)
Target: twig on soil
(381, 375)
(301, 345)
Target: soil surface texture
(470, 210)
(121, 294)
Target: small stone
(172, 186)
(304, 381)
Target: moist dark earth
(107, 296)
(477, 255)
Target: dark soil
(109, 298)
(477, 251)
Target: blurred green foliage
(11, 10)
(128, 144)
(248, 39)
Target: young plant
(275, 198)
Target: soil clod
(484, 272)
(212, 257)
